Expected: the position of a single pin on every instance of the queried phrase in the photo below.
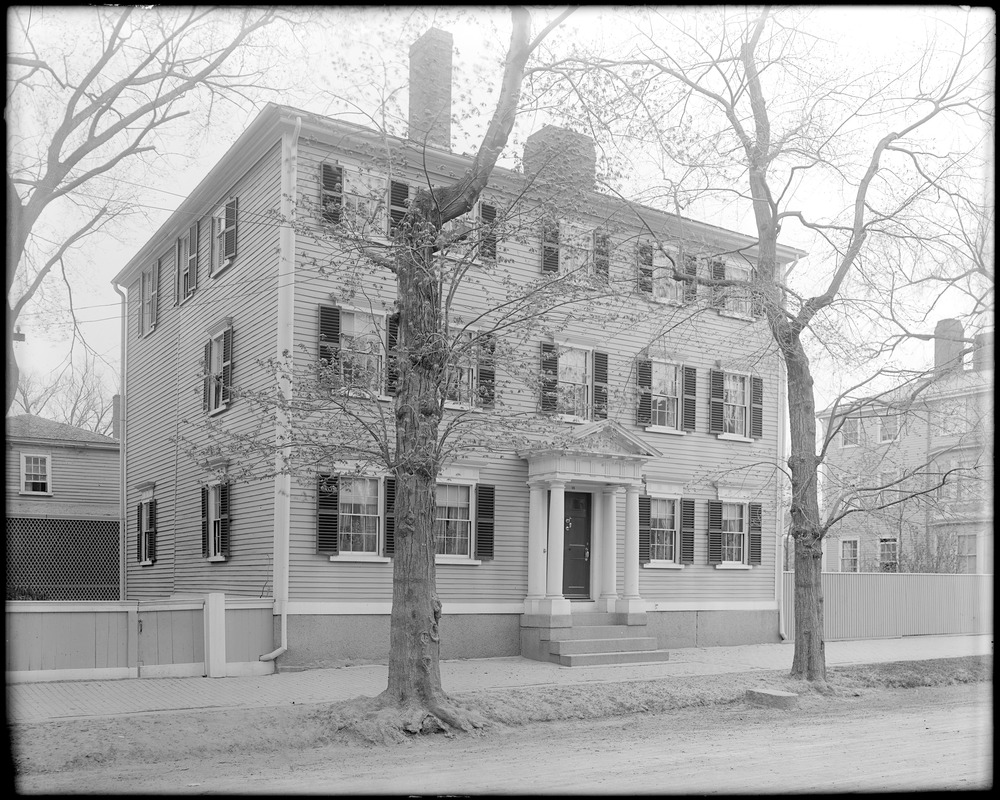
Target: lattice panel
(62, 559)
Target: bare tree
(77, 395)
(78, 124)
(743, 103)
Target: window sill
(570, 418)
(667, 301)
(35, 494)
(218, 410)
(462, 561)
(726, 312)
(146, 563)
(449, 406)
(183, 300)
(222, 268)
(361, 558)
(216, 559)
(734, 437)
(664, 429)
(733, 566)
(662, 565)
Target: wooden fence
(880, 605)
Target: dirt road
(901, 740)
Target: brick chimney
(982, 354)
(430, 89)
(948, 345)
(561, 157)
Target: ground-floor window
(733, 532)
(453, 521)
(662, 529)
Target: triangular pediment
(605, 437)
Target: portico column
(557, 513)
(609, 550)
(536, 543)
(631, 604)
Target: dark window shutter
(600, 385)
(690, 283)
(550, 378)
(644, 267)
(755, 533)
(716, 401)
(180, 278)
(645, 508)
(689, 408)
(485, 521)
(204, 522)
(225, 518)
(756, 408)
(229, 237)
(138, 528)
(550, 247)
(399, 193)
(329, 335)
(602, 256)
(644, 382)
(193, 257)
(154, 294)
(227, 365)
(486, 371)
(718, 292)
(687, 531)
(390, 516)
(327, 514)
(488, 240)
(151, 549)
(332, 192)
(714, 532)
(391, 342)
(207, 394)
(756, 295)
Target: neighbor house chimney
(948, 345)
(430, 89)
(982, 354)
(561, 157)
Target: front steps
(596, 639)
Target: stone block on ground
(772, 698)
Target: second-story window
(35, 477)
(332, 193)
(574, 381)
(888, 428)
(218, 370)
(187, 265)
(850, 432)
(736, 299)
(736, 405)
(471, 376)
(149, 291)
(352, 349)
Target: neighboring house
(654, 503)
(933, 451)
(63, 512)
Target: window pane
(359, 515)
(452, 525)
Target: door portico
(602, 462)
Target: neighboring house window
(666, 395)
(331, 198)
(471, 377)
(849, 555)
(146, 530)
(35, 477)
(187, 265)
(399, 204)
(888, 555)
(850, 432)
(966, 554)
(352, 349)
(224, 235)
(149, 290)
(734, 533)
(218, 370)
(574, 381)
(736, 405)
(352, 518)
(888, 428)
(488, 235)
(215, 521)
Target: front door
(576, 544)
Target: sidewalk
(40, 702)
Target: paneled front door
(576, 543)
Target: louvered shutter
(138, 527)
(550, 247)
(192, 265)
(227, 365)
(332, 192)
(328, 514)
(714, 532)
(151, 541)
(204, 522)
(154, 290)
(399, 193)
(600, 385)
(486, 370)
(391, 365)
(229, 232)
(390, 516)
(645, 511)
(756, 408)
(687, 531)
(549, 378)
(485, 521)
(602, 256)
(716, 402)
(644, 383)
(689, 408)
(718, 292)
(756, 513)
(225, 519)
(488, 236)
(690, 283)
(328, 346)
(644, 267)
(207, 394)
(180, 273)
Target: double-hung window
(146, 529)
(661, 394)
(888, 554)
(888, 428)
(359, 515)
(470, 379)
(733, 298)
(355, 516)
(850, 432)
(655, 274)
(224, 235)
(187, 265)
(966, 554)
(574, 381)
(353, 345)
(453, 520)
(663, 529)
(218, 368)
(734, 533)
(849, 555)
(215, 521)
(149, 290)
(666, 531)
(35, 474)
(736, 405)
